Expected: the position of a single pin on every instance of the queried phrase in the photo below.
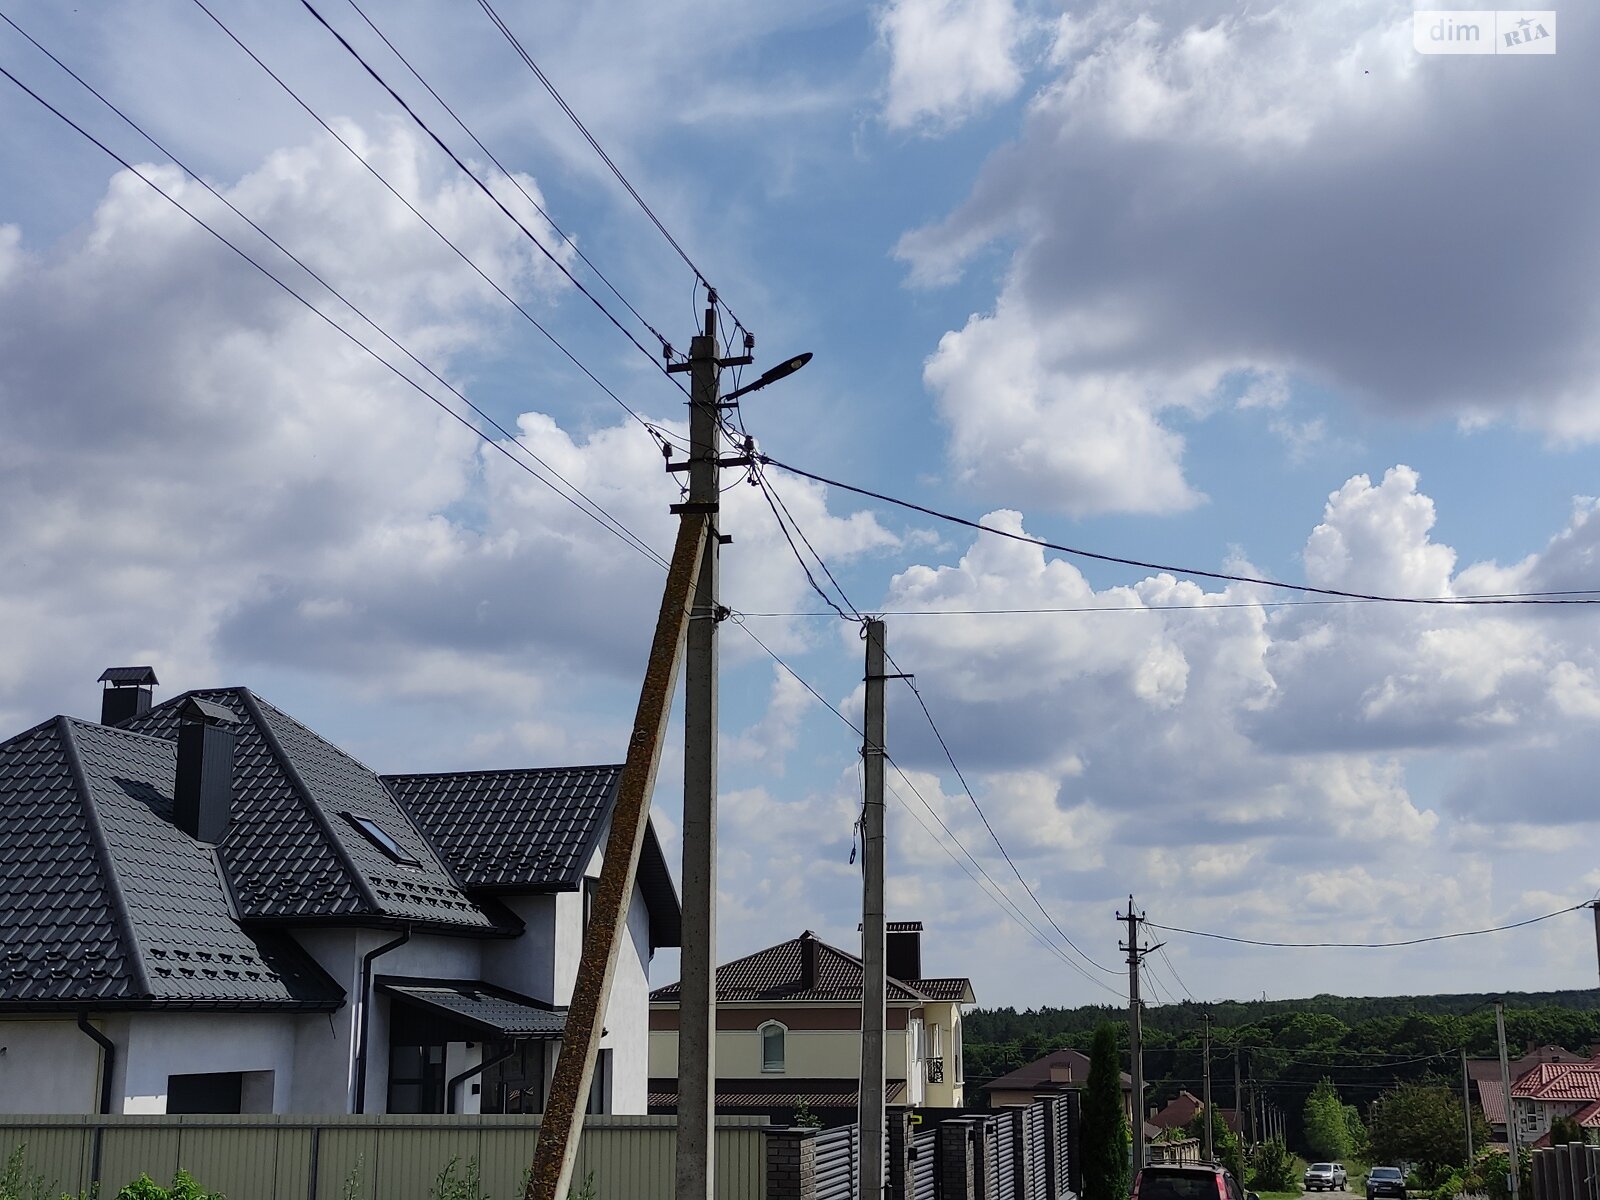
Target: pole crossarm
(557, 1149)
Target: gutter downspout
(363, 1019)
(108, 1063)
(457, 1081)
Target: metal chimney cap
(207, 711)
(128, 676)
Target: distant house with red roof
(1491, 1093)
(1552, 1090)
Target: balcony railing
(935, 1070)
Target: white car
(1321, 1177)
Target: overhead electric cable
(478, 142)
(421, 216)
(560, 100)
(600, 517)
(911, 682)
(999, 895)
(487, 191)
(1152, 608)
(599, 512)
(1079, 552)
(1437, 937)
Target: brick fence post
(983, 1158)
(955, 1160)
(791, 1163)
(898, 1131)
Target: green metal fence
(386, 1157)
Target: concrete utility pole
(697, 1010)
(1211, 1150)
(1135, 1030)
(1596, 906)
(1238, 1109)
(873, 984)
(557, 1148)
(1514, 1177)
(1466, 1105)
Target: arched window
(772, 1047)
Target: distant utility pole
(1514, 1177)
(1136, 955)
(1211, 1150)
(1596, 906)
(1238, 1109)
(1466, 1104)
(874, 984)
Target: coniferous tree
(1106, 1141)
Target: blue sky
(1246, 289)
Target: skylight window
(382, 839)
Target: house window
(515, 1085)
(382, 839)
(212, 1092)
(773, 1054)
(416, 1078)
(914, 1035)
(600, 1085)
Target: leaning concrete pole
(557, 1148)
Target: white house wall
(48, 1066)
(161, 1044)
(526, 964)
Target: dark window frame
(382, 839)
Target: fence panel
(1001, 1132)
(925, 1166)
(838, 1152)
(1036, 1149)
(373, 1157)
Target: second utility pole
(873, 983)
(1211, 1150)
(697, 1010)
(1135, 1035)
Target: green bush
(1272, 1168)
(183, 1187)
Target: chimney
(903, 949)
(126, 694)
(202, 799)
(1061, 1072)
(808, 960)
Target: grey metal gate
(838, 1155)
(1036, 1150)
(925, 1166)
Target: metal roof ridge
(471, 771)
(108, 868)
(253, 707)
(118, 729)
(856, 962)
(607, 808)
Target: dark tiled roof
(106, 902)
(955, 990)
(777, 973)
(492, 1011)
(128, 675)
(289, 853)
(532, 830)
(1036, 1075)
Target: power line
(1079, 552)
(599, 512)
(1172, 969)
(998, 893)
(485, 189)
(1437, 937)
(599, 515)
(1151, 608)
(984, 817)
(418, 213)
(560, 100)
(477, 141)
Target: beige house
(1057, 1072)
(789, 1031)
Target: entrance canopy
(487, 1012)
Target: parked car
(1340, 1179)
(1188, 1181)
(1321, 1177)
(1386, 1181)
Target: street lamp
(782, 371)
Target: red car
(1188, 1181)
